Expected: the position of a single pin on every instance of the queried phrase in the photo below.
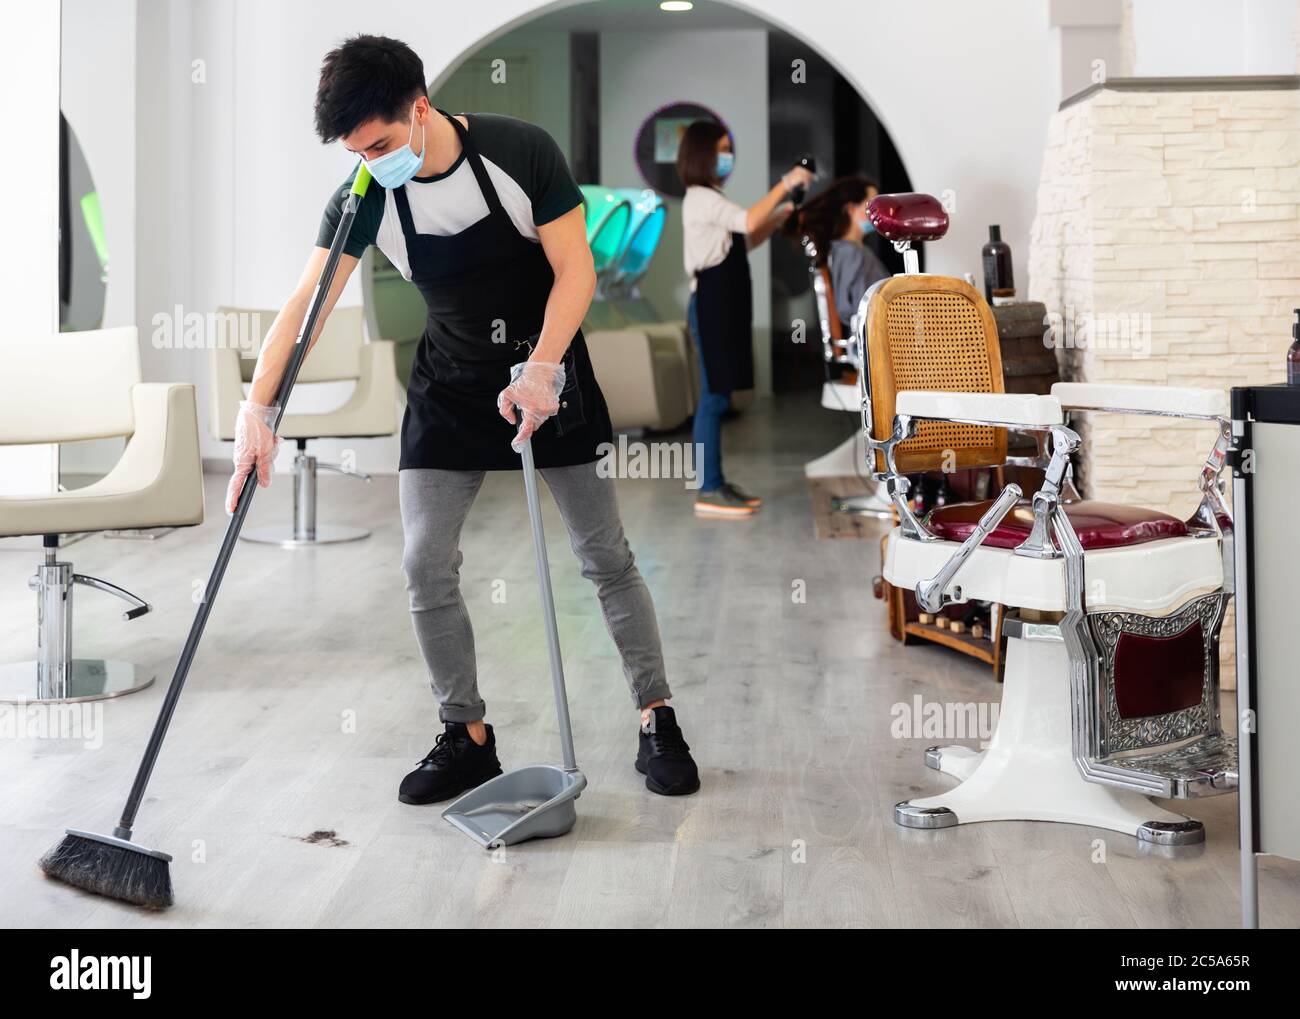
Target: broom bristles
(111, 870)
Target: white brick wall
(1184, 209)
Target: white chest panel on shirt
(449, 206)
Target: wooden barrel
(1028, 365)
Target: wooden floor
(276, 792)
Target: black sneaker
(664, 758)
(456, 763)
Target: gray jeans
(434, 506)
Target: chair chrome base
(325, 534)
(305, 531)
(139, 533)
(90, 679)
(55, 675)
(1172, 833)
(872, 505)
(846, 460)
(911, 816)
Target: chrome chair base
(909, 816)
(325, 534)
(305, 532)
(90, 679)
(1172, 833)
(139, 533)
(873, 505)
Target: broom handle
(301, 345)
(548, 607)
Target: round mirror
(657, 142)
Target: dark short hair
(697, 155)
(368, 76)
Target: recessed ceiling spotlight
(675, 6)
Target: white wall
(29, 265)
(1209, 37)
(725, 71)
(542, 96)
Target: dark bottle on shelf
(998, 281)
(1293, 355)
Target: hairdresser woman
(717, 235)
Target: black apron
(486, 290)
(724, 309)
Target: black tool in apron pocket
(113, 865)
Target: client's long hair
(823, 218)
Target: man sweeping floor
(481, 213)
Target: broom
(113, 865)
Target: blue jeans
(708, 416)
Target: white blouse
(709, 218)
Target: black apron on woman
(724, 310)
(486, 290)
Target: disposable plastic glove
(535, 387)
(255, 446)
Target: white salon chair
(848, 458)
(69, 387)
(340, 355)
(1111, 692)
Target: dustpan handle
(548, 608)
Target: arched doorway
(595, 74)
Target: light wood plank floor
(308, 703)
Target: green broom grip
(361, 181)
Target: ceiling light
(674, 6)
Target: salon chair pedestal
(306, 531)
(1028, 772)
(55, 675)
(848, 459)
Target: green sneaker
(722, 503)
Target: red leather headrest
(910, 216)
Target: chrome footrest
(1204, 767)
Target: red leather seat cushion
(1098, 524)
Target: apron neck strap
(480, 175)
(476, 164)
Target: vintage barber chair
(841, 394)
(1111, 672)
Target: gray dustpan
(534, 802)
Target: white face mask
(393, 169)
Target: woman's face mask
(726, 162)
(393, 169)
(863, 221)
